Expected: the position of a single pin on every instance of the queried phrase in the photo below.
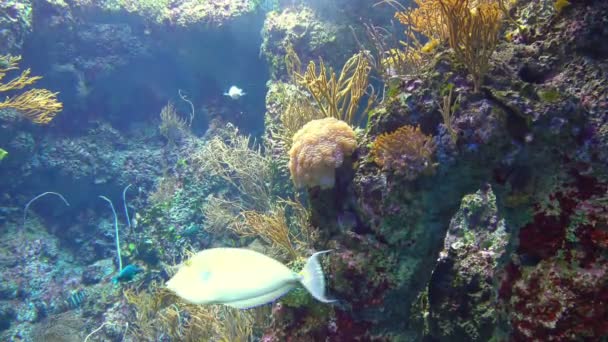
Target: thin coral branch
(337, 96)
(19, 82)
(38, 105)
(447, 108)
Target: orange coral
(318, 149)
(38, 105)
(406, 151)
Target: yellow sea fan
(38, 105)
(471, 27)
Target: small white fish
(243, 278)
(235, 93)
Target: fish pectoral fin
(260, 300)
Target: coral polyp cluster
(319, 148)
(406, 152)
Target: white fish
(243, 278)
(235, 92)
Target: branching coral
(221, 214)
(165, 190)
(289, 241)
(470, 27)
(159, 312)
(447, 107)
(335, 96)
(246, 170)
(238, 161)
(473, 33)
(298, 111)
(392, 57)
(401, 62)
(426, 19)
(318, 149)
(148, 304)
(189, 322)
(38, 105)
(250, 209)
(171, 124)
(406, 151)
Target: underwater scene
(303, 170)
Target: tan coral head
(318, 149)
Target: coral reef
(554, 287)
(462, 293)
(302, 30)
(15, 25)
(471, 205)
(178, 13)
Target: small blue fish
(127, 273)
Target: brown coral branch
(471, 27)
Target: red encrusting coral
(542, 237)
(555, 302)
(564, 296)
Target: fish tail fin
(312, 278)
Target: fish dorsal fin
(261, 300)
